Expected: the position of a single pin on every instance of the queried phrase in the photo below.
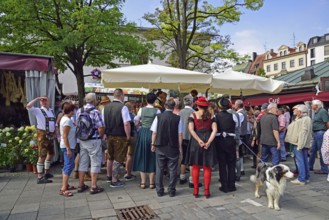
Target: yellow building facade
(286, 60)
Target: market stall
(23, 77)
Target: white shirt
(41, 120)
(154, 125)
(65, 121)
(235, 119)
(139, 113)
(241, 116)
(124, 112)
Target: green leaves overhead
(191, 29)
(75, 32)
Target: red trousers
(206, 177)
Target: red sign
(287, 98)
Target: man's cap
(264, 106)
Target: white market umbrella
(234, 83)
(154, 76)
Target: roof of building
(295, 77)
(242, 67)
(323, 40)
(257, 63)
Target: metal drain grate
(138, 212)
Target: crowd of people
(169, 136)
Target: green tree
(75, 32)
(261, 72)
(190, 30)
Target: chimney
(308, 74)
(272, 51)
(254, 55)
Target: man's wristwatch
(153, 145)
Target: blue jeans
(68, 162)
(268, 150)
(316, 147)
(302, 164)
(283, 151)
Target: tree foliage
(75, 32)
(261, 72)
(190, 29)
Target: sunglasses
(43, 100)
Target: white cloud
(247, 41)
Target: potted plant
(9, 151)
(27, 142)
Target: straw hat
(105, 99)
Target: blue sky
(270, 27)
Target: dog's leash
(260, 159)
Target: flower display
(18, 145)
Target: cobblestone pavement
(22, 198)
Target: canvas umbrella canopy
(237, 83)
(154, 76)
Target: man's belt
(225, 134)
(319, 130)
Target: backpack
(85, 127)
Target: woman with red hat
(202, 151)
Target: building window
(327, 37)
(315, 40)
(292, 63)
(301, 61)
(312, 53)
(275, 66)
(326, 50)
(283, 65)
(268, 68)
(281, 53)
(285, 52)
(312, 62)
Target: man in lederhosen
(226, 145)
(45, 134)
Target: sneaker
(297, 182)
(129, 178)
(109, 179)
(172, 194)
(43, 180)
(117, 184)
(49, 175)
(160, 194)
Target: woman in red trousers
(202, 152)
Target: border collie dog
(275, 179)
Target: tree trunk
(78, 72)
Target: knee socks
(207, 179)
(47, 164)
(195, 177)
(40, 168)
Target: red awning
(287, 98)
(24, 62)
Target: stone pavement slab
(22, 198)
